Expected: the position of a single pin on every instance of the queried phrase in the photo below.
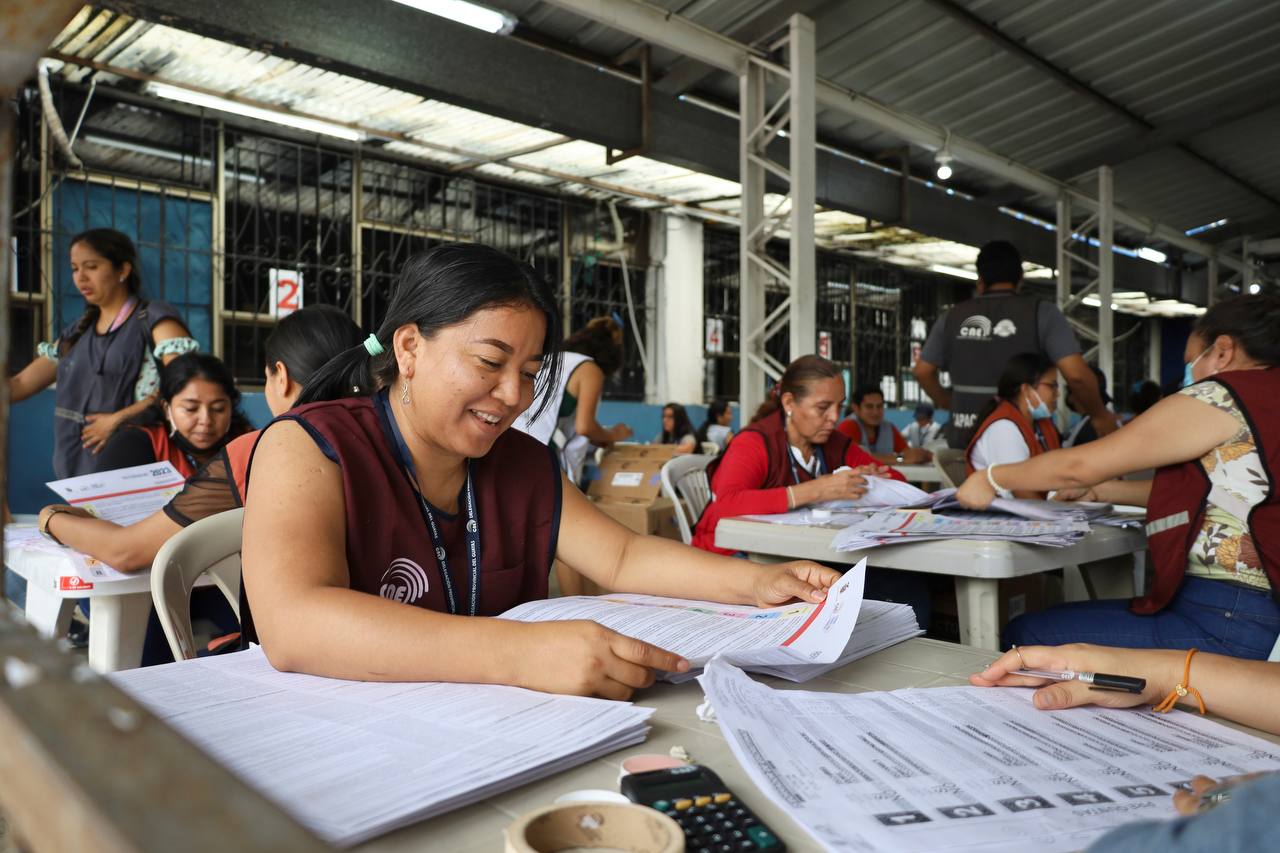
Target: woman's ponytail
(348, 374)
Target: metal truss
(792, 116)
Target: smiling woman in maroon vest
(1213, 510)
(379, 529)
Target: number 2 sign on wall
(286, 292)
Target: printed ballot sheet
(351, 760)
(951, 768)
(124, 496)
(799, 633)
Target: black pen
(1099, 680)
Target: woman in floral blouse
(1213, 509)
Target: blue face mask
(1040, 411)
(1187, 378)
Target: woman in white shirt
(1018, 422)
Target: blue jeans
(1214, 616)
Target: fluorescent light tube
(213, 102)
(958, 272)
(471, 14)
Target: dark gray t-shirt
(1056, 337)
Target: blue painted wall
(173, 240)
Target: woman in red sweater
(790, 455)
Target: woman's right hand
(845, 485)
(620, 432)
(585, 658)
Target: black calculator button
(747, 845)
(728, 824)
(717, 838)
(737, 835)
(726, 848)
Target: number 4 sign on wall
(286, 292)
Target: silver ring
(1020, 659)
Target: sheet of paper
(351, 760)
(124, 496)
(892, 527)
(76, 571)
(952, 768)
(881, 492)
(698, 630)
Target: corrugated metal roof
(1167, 62)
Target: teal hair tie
(372, 346)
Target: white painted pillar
(680, 325)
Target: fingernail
(819, 594)
(682, 666)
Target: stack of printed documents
(965, 768)
(351, 760)
(795, 641)
(896, 527)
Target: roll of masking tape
(595, 826)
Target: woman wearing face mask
(791, 454)
(1213, 509)
(380, 531)
(105, 362)
(299, 345)
(1018, 422)
(197, 414)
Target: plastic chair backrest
(210, 545)
(684, 481)
(1275, 651)
(950, 463)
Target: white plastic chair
(950, 463)
(1275, 651)
(685, 477)
(210, 545)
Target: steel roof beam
(664, 28)
(399, 47)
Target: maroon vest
(389, 549)
(1176, 508)
(773, 429)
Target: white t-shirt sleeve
(1001, 444)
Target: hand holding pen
(1077, 675)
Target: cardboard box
(629, 489)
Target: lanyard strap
(795, 469)
(433, 528)
(126, 310)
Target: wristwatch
(44, 527)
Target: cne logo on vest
(1006, 328)
(976, 327)
(404, 580)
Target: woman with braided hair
(106, 362)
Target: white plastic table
(118, 612)
(478, 828)
(977, 566)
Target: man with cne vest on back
(975, 340)
(1213, 509)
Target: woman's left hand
(881, 471)
(97, 429)
(976, 492)
(783, 582)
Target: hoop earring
(404, 393)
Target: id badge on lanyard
(433, 528)
(795, 469)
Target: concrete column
(681, 330)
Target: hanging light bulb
(944, 166)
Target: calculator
(714, 820)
